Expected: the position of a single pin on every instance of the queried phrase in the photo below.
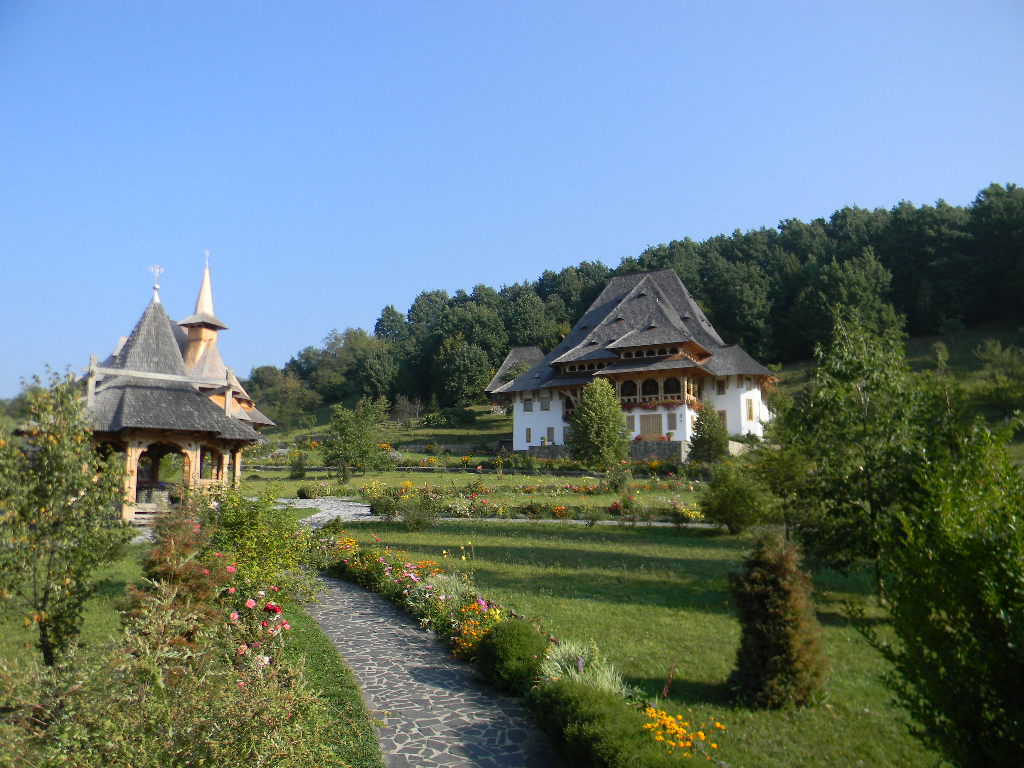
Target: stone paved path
(438, 713)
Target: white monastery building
(647, 336)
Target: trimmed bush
(734, 498)
(592, 728)
(780, 661)
(510, 655)
(314, 491)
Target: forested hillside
(929, 268)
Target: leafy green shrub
(382, 499)
(58, 502)
(510, 655)
(268, 544)
(594, 728)
(296, 464)
(314, 491)
(449, 417)
(618, 476)
(780, 661)
(954, 574)
(733, 497)
(420, 509)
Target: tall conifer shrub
(780, 661)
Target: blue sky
(336, 157)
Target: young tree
(733, 497)
(858, 427)
(59, 504)
(710, 442)
(351, 441)
(955, 570)
(599, 426)
(780, 661)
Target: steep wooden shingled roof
(637, 310)
(140, 402)
(528, 355)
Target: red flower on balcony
(648, 406)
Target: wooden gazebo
(165, 390)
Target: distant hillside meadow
(929, 269)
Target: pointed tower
(202, 326)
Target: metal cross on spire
(157, 270)
(207, 254)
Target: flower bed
(569, 685)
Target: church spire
(157, 270)
(204, 314)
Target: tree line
(928, 269)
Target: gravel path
(436, 711)
(333, 507)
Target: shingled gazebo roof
(167, 400)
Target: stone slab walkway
(437, 712)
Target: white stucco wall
(734, 403)
(537, 421)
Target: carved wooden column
(133, 451)
(192, 465)
(222, 468)
(236, 466)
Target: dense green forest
(928, 269)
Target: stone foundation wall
(663, 450)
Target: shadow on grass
(834, 618)
(688, 692)
(646, 588)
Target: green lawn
(653, 598)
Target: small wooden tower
(165, 390)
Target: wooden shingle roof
(136, 401)
(637, 310)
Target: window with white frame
(750, 409)
(545, 403)
(631, 423)
(529, 435)
(528, 404)
(672, 422)
(721, 385)
(551, 434)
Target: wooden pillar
(132, 452)
(192, 466)
(222, 468)
(236, 466)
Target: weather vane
(157, 270)
(207, 253)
